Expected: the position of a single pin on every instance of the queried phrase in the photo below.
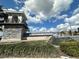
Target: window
(15, 19)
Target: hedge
(71, 48)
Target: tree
(75, 32)
(70, 32)
(78, 29)
(62, 33)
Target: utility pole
(71, 28)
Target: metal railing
(55, 34)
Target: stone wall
(12, 34)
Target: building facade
(12, 25)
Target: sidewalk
(41, 58)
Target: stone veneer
(12, 34)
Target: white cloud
(71, 23)
(43, 29)
(74, 20)
(73, 28)
(17, 7)
(33, 29)
(19, 1)
(76, 11)
(22, 9)
(35, 19)
(10, 9)
(59, 28)
(52, 30)
(47, 8)
(61, 5)
(44, 8)
(62, 16)
(67, 27)
(63, 27)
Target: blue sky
(46, 22)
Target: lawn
(29, 49)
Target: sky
(47, 15)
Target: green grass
(70, 48)
(28, 49)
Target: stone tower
(12, 25)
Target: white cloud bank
(71, 23)
(19, 1)
(49, 8)
(10, 9)
(76, 11)
(67, 27)
(74, 20)
(46, 8)
(42, 29)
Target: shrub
(27, 49)
(71, 48)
